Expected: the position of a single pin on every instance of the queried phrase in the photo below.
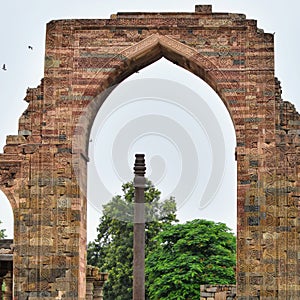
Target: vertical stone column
(8, 286)
(89, 288)
(98, 290)
(139, 229)
(98, 285)
(89, 283)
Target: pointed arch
(146, 52)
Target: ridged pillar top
(139, 165)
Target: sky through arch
(6, 216)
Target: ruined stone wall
(217, 292)
(43, 168)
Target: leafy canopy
(187, 255)
(2, 232)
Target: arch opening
(111, 113)
(164, 49)
(108, 128)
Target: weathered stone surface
(217, 292)
(43, 168)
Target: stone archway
(44, 166)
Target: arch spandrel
(84, 60)
(157, 46)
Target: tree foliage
(2, 232)
(112, 250)
(187, 255)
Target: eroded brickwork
(43, 168)
(217, 292)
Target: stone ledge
(6, 257)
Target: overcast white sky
(23, 23)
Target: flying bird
(30, 47)
(4, 67)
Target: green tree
(2, 232)
(112, 250)
(190, 254)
